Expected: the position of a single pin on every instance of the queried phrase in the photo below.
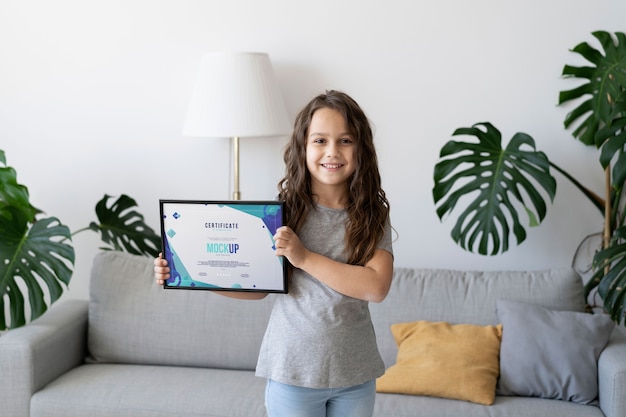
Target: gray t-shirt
(317, 337)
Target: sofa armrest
(34, 355)
(612, 376)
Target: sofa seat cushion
(133, 320)
(101, 390)
(399, 405)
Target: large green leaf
(500, 181)
(610, 275)
(601, 110)
(124, 229)
(35, 255)
(13, 194)
(614, 139)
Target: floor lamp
(236, 96)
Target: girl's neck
(331, 205)
(331, 198)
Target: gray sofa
(137, 350)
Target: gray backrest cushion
(467, 297)
(133, 320)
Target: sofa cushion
(443, 360)
(399, 405)
(467, 297)
(550, 354)
(133, 320)
(113, 390)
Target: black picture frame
(220, 245)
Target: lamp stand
(236, 192)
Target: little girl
(319, 352)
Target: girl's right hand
(288, 244)
(161, 270)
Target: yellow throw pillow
(438, 359)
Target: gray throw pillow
(550, 354)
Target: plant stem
(81, 230)
(595, 199)
(76, 232)
(607, 210)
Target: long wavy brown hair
(367, 207)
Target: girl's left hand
(288, 244)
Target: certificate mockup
(223, 245)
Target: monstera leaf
(610, 275)
(500, 180)
(37, 256)
(40, 255)
(33, 254)
(123, 228)
(13, 194)
(601, 110)
(601, 118)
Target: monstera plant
(36, 252)
(503, 183)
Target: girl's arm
(370, 282)
(162, 273)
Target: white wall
(93, 95)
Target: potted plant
(501, 183)
(36, 251)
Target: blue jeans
(283, 400)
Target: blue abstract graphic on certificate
(179, 276)
(270, 214)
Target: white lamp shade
(236, 94)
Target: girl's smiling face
(330, 151)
